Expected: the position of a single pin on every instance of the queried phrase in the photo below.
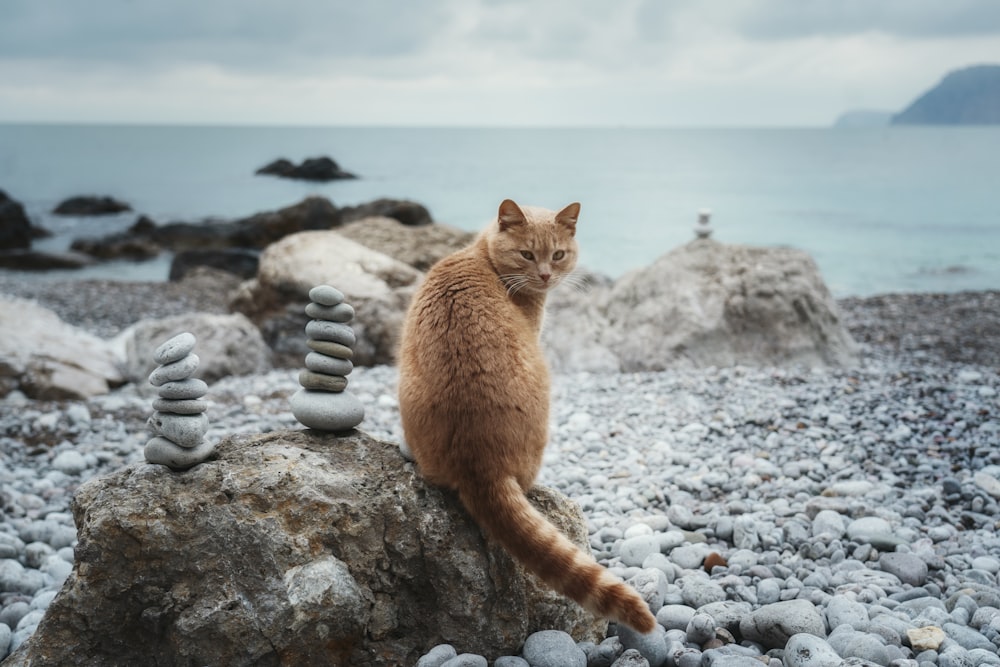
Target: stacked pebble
(323, 403)
(179, 423)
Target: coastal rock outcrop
(48, 359)
(240, 262)
(88, 205)
(311, 169)
(713, 304)
(227, 345)
(378, 286)
(146, 238)
(407, 212)
(16, 231)
(420, 246)
(299, 548)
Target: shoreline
(749, 463)
(960, 327)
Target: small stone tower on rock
(179, 423)
(323, 403)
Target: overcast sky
(481, 62)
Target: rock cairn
(179, 423)
(323, 403)
(703, 229)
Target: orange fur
(474, 394)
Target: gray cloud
(237, 34)
(785, 19)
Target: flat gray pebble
(175, 348)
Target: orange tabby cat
(474, 395)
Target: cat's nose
(545, 277)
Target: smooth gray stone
(327, 411)
(190, 406)
(807, 650)
(437, 656)
(176, 348)
(342, 312)
(552, 648)
(675, 616)
(184, 430)
(322, 382)
(320, 363)
(331, 349)
(332, 331)
(910, 568)
(181, 369)
(163, 451)
(326, 295)
(183, 389)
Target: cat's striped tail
(502, 510)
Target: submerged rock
(91, 205)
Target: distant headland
(968, 96)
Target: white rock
(70, 462)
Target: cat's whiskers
(576, 280)
(514, 282)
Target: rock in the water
(406, 212)
(311, 169)
(90, 205)
(16, 231)
(291, 548)
(49, 359)
(712, 304)
(227, 345)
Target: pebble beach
(851, 510)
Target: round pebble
(331, 331)
(174, 349)
(183, 389)
(327, 411)
(190, 406)
(166, 452)
(177, 370)
(322, 382)
(325, 295)
(184, 430)
(330, 349)
(320, 363)
(342, 312)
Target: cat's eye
(528, 255)
(558, 254)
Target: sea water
(880, 209)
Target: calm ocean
(881, 210)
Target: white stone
(70, 462)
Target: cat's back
(461, 309)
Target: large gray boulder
(291, 548)
(49, 359)
(227, 345)
(420, 246)
(713, 304)
(376, 285)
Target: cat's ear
(510, 215)
(567, 217)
